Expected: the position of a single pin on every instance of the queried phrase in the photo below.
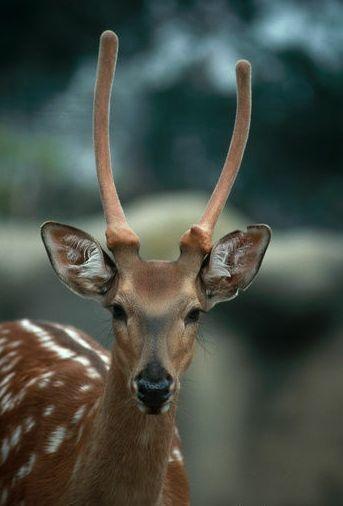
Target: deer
(81, 425)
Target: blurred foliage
(22, 184)
(179, 132)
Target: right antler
(118, 232)
(200, 235)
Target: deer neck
(127, 455)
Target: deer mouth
(153, 409)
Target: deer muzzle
(154, 389)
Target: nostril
(153, 392)
(144, 386)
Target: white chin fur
(145, 409)
(142, 408)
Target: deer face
(155, 305)
(155, 311)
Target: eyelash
(192, 317)
(118, 313)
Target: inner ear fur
(78, 259)
(233, 263)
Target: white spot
(48, 410)
(63, 353)
(73, 334)
(11, 354)
(28, 424)
(55, 439)
(175, 455)
(31, 382)
(26, 469)
(44, 379)
(105, 358)
(92, 373)
(3, 390)
(58, 383)
(47, 340)
(79, 435)
(86, 387)
(42, 383)
(15, 436)
(7, 378)
(48, 374)
(83, 360)
(10, 366)
(7, 403)
(14, 344)
(4, 360)
(79, 414)
(5, 448)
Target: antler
(118, 231)
(200, 235)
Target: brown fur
(121, 456)
(124, 452)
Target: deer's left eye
(193, 316)
(118, 312)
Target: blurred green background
(262, 407)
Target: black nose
(153, 386)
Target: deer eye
(118, 313)
(193, 316)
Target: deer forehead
(158, 285)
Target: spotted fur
(51, 382)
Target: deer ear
(78, 260)
(234, 262)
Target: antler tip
(243, 67)
(109, 37)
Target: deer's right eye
(193, 316)
(118, 313)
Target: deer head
(156, 305)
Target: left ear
(234, 262)
(78, 260)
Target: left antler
(201, 233)
(118, 231)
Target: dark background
(261, 415)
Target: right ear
(78, 260)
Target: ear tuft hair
(78, 259)
(234, 262)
